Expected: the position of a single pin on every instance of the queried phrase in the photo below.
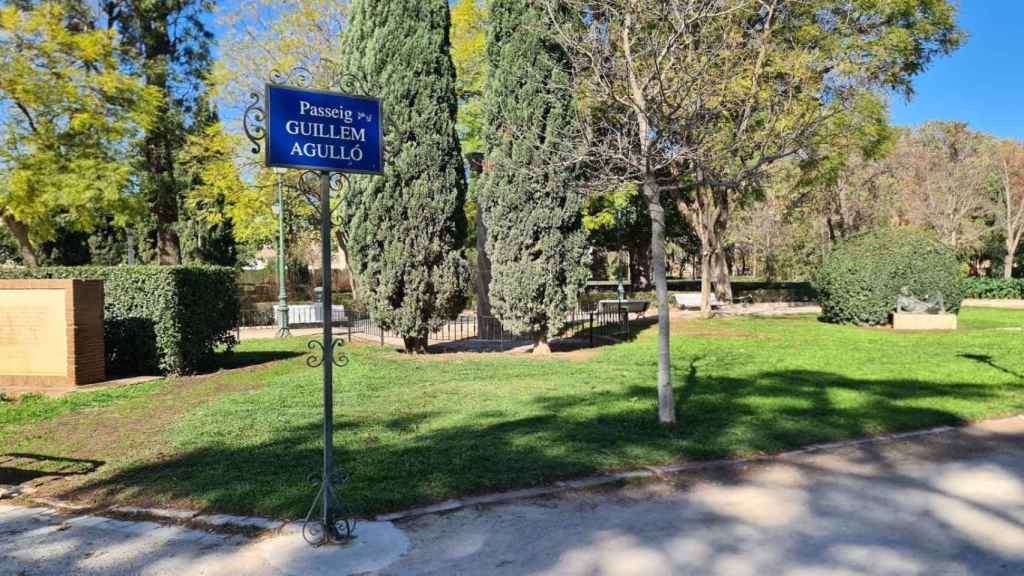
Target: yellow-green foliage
(72, 118)
(209, 158)
(469, 43)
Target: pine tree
(406, 229)
(172, 39)
(530, 206)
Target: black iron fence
(467, 331)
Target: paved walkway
(947, 503)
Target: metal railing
(588, 326)
(297, 316)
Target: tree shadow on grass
(563, 436)
(987, 360)
(18, 467)
(244, 359)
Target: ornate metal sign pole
(328, 521)
(326, 134)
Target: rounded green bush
(861, 279)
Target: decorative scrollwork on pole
(313, 530)
(254, 121)
(317, 356)
(299, 77)
(309, 186)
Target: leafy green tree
(529, 200)
(265, 35)
(71, 118)
(469, 41)
(407, 229)
(697, 99)
(215, 197)
(840, 168)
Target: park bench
(638, 307)
(692, 300)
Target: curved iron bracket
(309, 187)
(316, 356)
(254, 121)
(300, 77)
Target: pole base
(282, 321)
(327, 529)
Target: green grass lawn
(411, 430)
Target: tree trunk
(1011, 254)
(540, 344)
(158, 147)
(639, 266)
(705, 280)
(704, 215)
(483, 271)
(415, 344)
(720, 274)
(339, 235)
(20, 231)
(666, 403)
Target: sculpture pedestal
(907, 321)
(51, 335)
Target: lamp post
(282, 293)
(618, 267)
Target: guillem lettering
(328, 131)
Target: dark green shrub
(163, 319)
(993, 288)
(861, 279)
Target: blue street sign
(326, 131)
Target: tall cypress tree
(406, 230)
(531, 208)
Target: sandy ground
(944, 503)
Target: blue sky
(982, 83)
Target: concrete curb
(255, 524)
(188, 518)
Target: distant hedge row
(165, 319)
(993, 288)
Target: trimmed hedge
(861, 279)
(165, 319)
(993, 288)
